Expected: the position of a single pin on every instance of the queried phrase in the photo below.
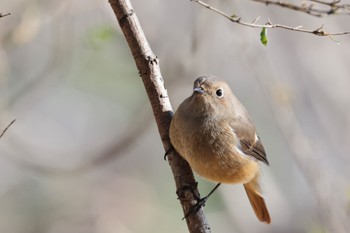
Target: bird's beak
(200, 90)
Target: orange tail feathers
(257, 200)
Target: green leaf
(263, 36)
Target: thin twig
(4, 131)
(328, 3)
(3, 15)
(235, 19)
(328, 8)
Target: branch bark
(148, 66)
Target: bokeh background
(84, 154)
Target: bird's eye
(219, 93)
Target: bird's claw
(171, 148)
(195, 208)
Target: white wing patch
(256, 138)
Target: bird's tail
(257, 200)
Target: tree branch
(7, 127)
(148, 65)
(235, 19)
(329, 8)
(3, 15)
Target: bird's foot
(200, 201)
(196, 207)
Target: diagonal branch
(328, 8)
(7, 127)
(3, 15)
(235, 19)
(148, 65)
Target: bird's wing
(250, 143)
(256, 150)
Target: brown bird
(213, 132)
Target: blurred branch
(3, 15)
(331, 8)
(332, 210)
(4, 131)
(236, 19)
(134, 130)
(149, 70)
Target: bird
(213, 132)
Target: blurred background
(84, 154)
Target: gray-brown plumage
(213, 132)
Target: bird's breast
(210, 147)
